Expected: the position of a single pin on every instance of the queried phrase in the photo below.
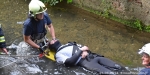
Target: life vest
(75, 47)
(74, 44)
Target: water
(101, 35)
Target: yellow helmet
(36, 7)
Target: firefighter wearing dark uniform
(34, 27)
(2, 41)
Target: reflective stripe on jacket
(2, 39)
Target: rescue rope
(19, 55)
(16, 59)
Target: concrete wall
(125, 9)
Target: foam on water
(15, 73)
(33, 70)
(79, 73)
(57, 73)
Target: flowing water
(103, 36)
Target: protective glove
(41, 50)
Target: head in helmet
(55, 45)
(145, 52)
(36, 9)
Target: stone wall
(125, 9)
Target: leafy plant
(54, 2)
(69, 1)
(147, 28)
(137, 24)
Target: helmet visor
(42, 9)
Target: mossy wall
(123, 9)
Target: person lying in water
(72, 54)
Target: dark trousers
(101, 65)
(3, 45)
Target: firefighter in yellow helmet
(34, 27)
(2, 41)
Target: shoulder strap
(69, 44)
(73, 43)
(63, 47)
(75, 48)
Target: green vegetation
(54, 2)
(147, 28)
(105, 13)
(131, 23)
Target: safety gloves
(42, 53)
(41, 50)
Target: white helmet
(36, 7)
(145, 49)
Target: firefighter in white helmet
(34, 27)
(145, 52)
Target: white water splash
(22, 48)
(15, 73)
(57, 73)
(78, 73)
(33, 69)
